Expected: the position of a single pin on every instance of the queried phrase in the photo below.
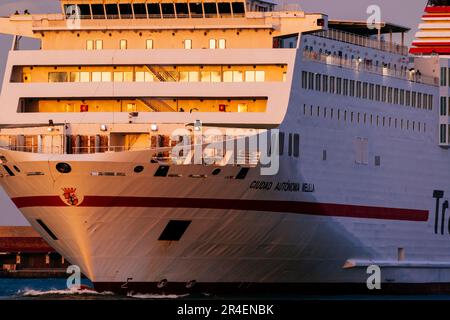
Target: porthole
(63, 167)
(216, 171)
(138, 169)
(16, 168)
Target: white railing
(362, 41)
(355, 64)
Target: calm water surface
(13, 289)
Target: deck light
(154, 127)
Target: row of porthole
(63, 167)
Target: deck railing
(362, 41)
(355, 64)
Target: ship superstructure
(351, 123)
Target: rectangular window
(149, 43)
(260, 76)
(395, 96)
(413, 99)
(296, 145)
(210, 9)
(184, 76)
(99, 45)
(128, 76)
(238, 76)
(443, 76)
(154, 11)
(96, 76)
(419, 100)
(408, 98)
(318, 82)
(383, 93)
(143, 76)
(188, 44)
(425, 101)
(85, 76)
(310, 81)
(118, 76)
(332, 85)
(228, 76)
(352, 88)
(325, 83)
(123, 44)
(338, 85)
(443, 133)
(358, 89)
(212, 43)
(280, 143)
(389, 97)
(205, 76)
(371, 91)
(362, 151)
(402, 97)
(443, 106)
(74, 77)
(90, 44)
(196, 9)
(222, 43)
(193, 76)
(345, 88)
(106, 77)
(215, 76)
(57, 77)
(365, 86)
(430, 102)
(378, 92)
(304, 80)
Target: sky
(402, 12)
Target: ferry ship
(351, 167)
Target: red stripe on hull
(436, 16)
(430, 50)
(319, 209)
(439, 9)
(431, 44)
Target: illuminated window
(131, 107)
(85, 76)
(106, 77)
(128, 76)
(184, 76)
(228, 76)
(96, 76)
(215, 76)
(193, 76)
(90, 45)
(242, 107)
(149, 44)
(212, 43)
(260, 76)
(222, 43)
(118, 76)
(74, 77)
(142, 76)
(250, 76)
(57, 77)
(99, 44)
(238, 76)
(189, 76)
(188, 44)
(205, 76)
(123, 44)
(70, 107)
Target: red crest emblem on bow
(70, 196)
